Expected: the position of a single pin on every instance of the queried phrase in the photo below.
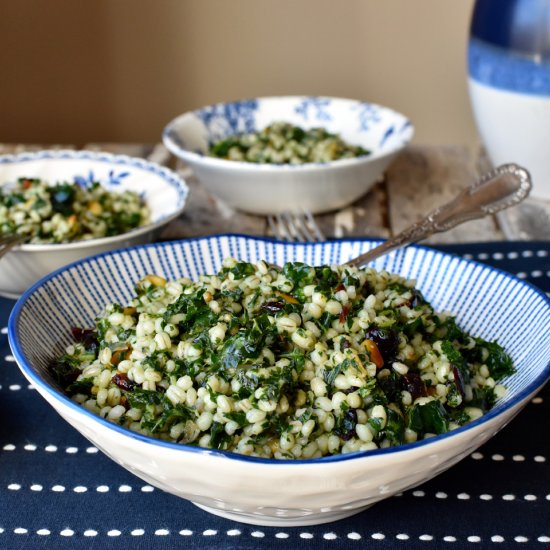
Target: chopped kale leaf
(429, 417)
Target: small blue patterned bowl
(487, 302)
(269, 188)
(164, 191)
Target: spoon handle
(501, 188)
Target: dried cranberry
(283, 345)
(123, 382)
(459, 381)
(273, 306)
(387, 341)
(413, 383)
(344, 313)
(367, 289)
(85, 336)
(345, 425)
(416, 299)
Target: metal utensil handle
(501, 188)
(7, 242)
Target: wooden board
(419, 180)
(422, 179)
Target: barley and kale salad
(284, 143)
(291, 362)
(66, 212)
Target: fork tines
(297, 225)
(7, 242)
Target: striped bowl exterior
(486, 301)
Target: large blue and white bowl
(163, 190)
(487, 302)
(269, 188)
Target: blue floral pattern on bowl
(314, 108)
(222, 120)
(225, 119)
(113, 179)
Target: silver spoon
(505, 186)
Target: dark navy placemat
(58, 491)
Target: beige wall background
(119, 70)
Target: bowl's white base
(272, 521)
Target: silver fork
(295, 225)
(7, 242)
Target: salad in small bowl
(66, 205)
(270, 154)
